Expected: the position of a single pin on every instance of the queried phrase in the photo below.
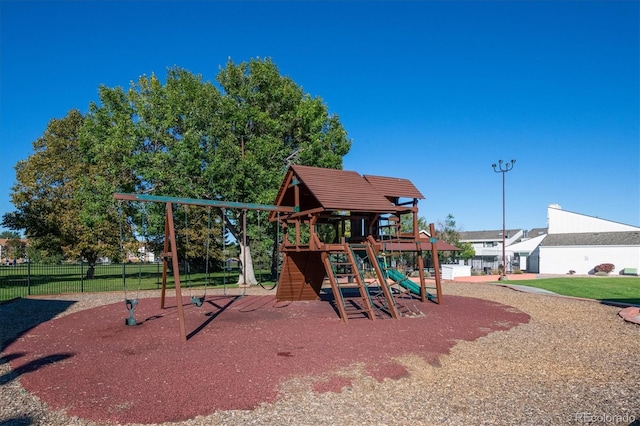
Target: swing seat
(131, 306)
(197, 300)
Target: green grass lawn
(612, 289)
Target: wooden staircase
(343, 266)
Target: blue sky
(430, 91)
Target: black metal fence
(30, 279)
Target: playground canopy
(313, 189)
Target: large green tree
(189, 138)
(270, 124)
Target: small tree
(406, 226)
(16, 249)
(9, 235)
(467, 251)
(448, 232)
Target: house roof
(629, 238)
(535, 232)
(336, 190)
(493, 235)
(5, 241)
(527, 245)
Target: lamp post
(503, 168)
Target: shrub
(369, 274)
(604, 267)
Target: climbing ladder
(402, 286)
(343, 268)
(385, 272)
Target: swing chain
(129, 303)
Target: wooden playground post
(416, 237)
(436, 262)
(372, 253)
(423, 284)
(171, 238)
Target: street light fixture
(503, 168)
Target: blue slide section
(403, 281)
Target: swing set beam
(200, 202)
(170, 243)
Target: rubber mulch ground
(241, 349)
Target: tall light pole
(503, 168)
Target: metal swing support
(198, 301)
(170, 249)
(130, 303)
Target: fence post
(29, 278)
(81, 276)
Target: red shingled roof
(339, 190)
(335, 190)
(394, 187)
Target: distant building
(142, 255)
(488, 248)
(578, 242)
(571, 242)
(526, 252)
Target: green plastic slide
(403, 281)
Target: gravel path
(574, 362)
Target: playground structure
(362, 217)
(365, 215)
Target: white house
(488, 247)
(577, 242)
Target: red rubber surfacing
(95, 367)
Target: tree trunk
(91, 272)
(247, 275)
(92, 259)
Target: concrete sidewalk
(528, 289)
(509, 283)
(491, 278)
